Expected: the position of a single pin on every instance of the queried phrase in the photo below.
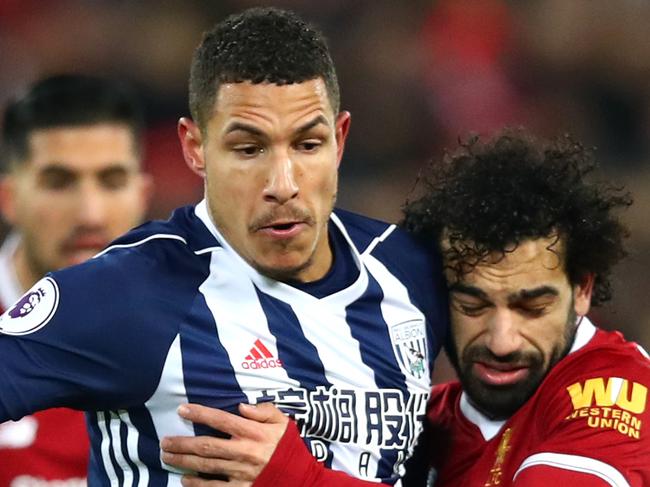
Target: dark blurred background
(416, 75)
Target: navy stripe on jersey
(148, 446)
(97, 475)
(298, 355)
(377, 353)
(123, 432)
(370, 329)
(203, 378)
(105, 420)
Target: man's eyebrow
(55, 167)
(244, 127)
(459, 287)
(534, 293)
(318, 120)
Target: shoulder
(601, 388)
(607, 355)
(375, 236)
(148, 276)
(592, 410)
(416, 265)
(443, 402)
(183, 231)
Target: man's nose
(281, 185)
(504, 335)
(92, 205)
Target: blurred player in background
(72, 148)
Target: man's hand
(241, 458)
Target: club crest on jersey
(33, 311)
(410, 346)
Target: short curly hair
(258, 45)
(487, 197)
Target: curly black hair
(259, 45)
(487, 197)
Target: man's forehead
(282, 99)
(530, 260)
(83, 146)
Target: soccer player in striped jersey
(73, 183)
(545, 397)
(261, 292)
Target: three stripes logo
(260, 357)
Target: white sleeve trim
(576, 463)
(170, 236)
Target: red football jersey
(49, 447)
(587, 424)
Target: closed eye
(470, 308)
(533, 311)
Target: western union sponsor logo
(629, 396)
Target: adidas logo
(260, 358)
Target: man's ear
(582, 294)
(191, 140)
(342, 127)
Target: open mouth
(283, 230)
(283, 226)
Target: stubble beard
(501, 402)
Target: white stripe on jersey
(114, 425)
(575, 463)
(105, 448)
(375, 241)
(396, 307)
(240, 321)
(206, 250)
(162, 404)
(113, 442)
(132, 438)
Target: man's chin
(284, 272)
(499, 402)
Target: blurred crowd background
(416, 75)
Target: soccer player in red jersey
(72, 183)
(545, 396)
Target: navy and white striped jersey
(171, 314)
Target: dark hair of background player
(489, 196)
(258, 45)
(68, 101)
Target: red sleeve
(292, 464)
(544, 475)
